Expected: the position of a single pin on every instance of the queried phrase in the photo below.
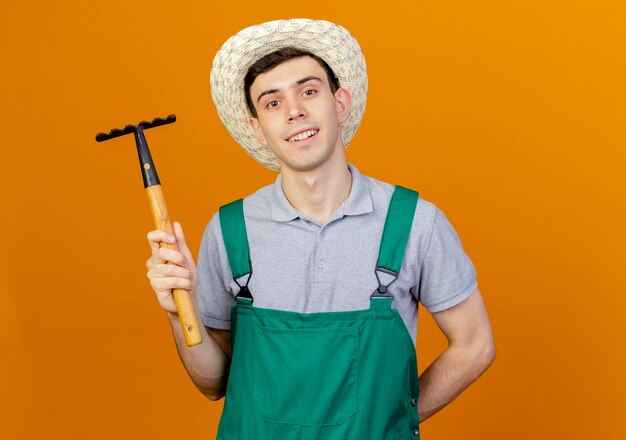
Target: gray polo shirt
(302, 266)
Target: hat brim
(327, 40)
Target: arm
(207, 363)
(471, 350)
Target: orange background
(508, 115)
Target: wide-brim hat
(329, 41)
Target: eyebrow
(295, 84)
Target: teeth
(303, 135)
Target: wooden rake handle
(182, 298)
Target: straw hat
(329, 41)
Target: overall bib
(321, 376)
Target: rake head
(116, 132)
(148, 170)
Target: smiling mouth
(303, 136)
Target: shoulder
(381, 192)
(255, 205)
(259, 203)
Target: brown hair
(268, 62)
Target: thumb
(180, 236)
(182, 244)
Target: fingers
(163, 285)
(158, 236)
(168, 270)
(165, 255)
(181, 257)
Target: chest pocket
(306, 376)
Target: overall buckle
(382, 290)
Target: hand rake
(160, 215)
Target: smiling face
(298, 116)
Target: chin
(302, 162)
(301, 166)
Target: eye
(310, 92)
(272, 104)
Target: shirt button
(321, 265)
(413, 401)
(416, 431)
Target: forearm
(452, 372)
(206, 363)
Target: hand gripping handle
(182, 298)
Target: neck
(319, 192)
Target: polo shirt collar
(358, 202)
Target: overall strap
(237, 248)
(395, 238)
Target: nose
(296, 111)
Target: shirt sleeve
(447, 275)
(214, 295)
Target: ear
(258, 131)
(343, 100)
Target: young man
(314, 353)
